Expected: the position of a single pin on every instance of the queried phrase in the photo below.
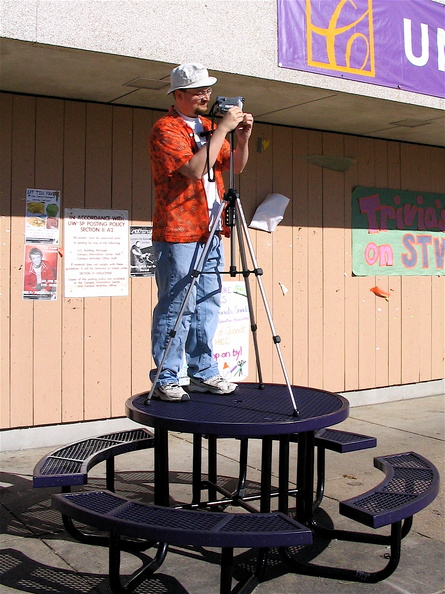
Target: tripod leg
(253, 324)
(194, 277)
(243, 229)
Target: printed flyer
(40, 272)
(42, 216)
(142, 260)
(96, 253)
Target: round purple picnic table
(251, 412)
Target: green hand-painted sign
(397, 232)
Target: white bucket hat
(190, 76)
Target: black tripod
(235, 219)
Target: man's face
(36, 260)
(193, 102)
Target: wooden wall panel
(333, 267)
(300, 280)
(97, 349)
(73, 196)
(142, 290)
(424, 336)
(121, 195)
(263, 246)
(315, 265)
(351, 319)
(79, 359)
(437, 283)
(410, 328)
(6, 107)
(381, 305)
(47, 314)
(366, 299)
(395, 285)
(438, 327)
(282, 297)
(416, 291)
(22, 311)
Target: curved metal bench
(69, 465)
(122, 517)
(411, 484)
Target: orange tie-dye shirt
(181, 211)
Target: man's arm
(243, 132)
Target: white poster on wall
(96, 253)
(231, 341)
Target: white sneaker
(170, 393)
(213, 385)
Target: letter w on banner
(391, 43)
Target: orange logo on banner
(352, 42)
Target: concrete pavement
(38, 556)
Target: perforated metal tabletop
(251, 412)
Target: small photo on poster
(40, 272)
(142, 260)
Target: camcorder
(223, 104)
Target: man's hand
(244, 128)
(231, 119)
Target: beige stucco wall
(232, 35)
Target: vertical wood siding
(79, 359)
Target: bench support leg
(283, 475)
(110, 473)
(351, 575)
(114, 562)
(247, 586)
(162, 495)
(103, 541)
(352, 536)
(266, 474)
(305, 476)
(225, 582)
(73, 531)
(212, 472)
(197, 468)
(321, 475)
(242, 475)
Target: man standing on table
(188, 197)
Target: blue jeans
(194, 335)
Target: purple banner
(392, 43)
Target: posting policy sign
(96, 253)
(397, 232)
(392, 43)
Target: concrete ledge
(53, 435)
(395, 393)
